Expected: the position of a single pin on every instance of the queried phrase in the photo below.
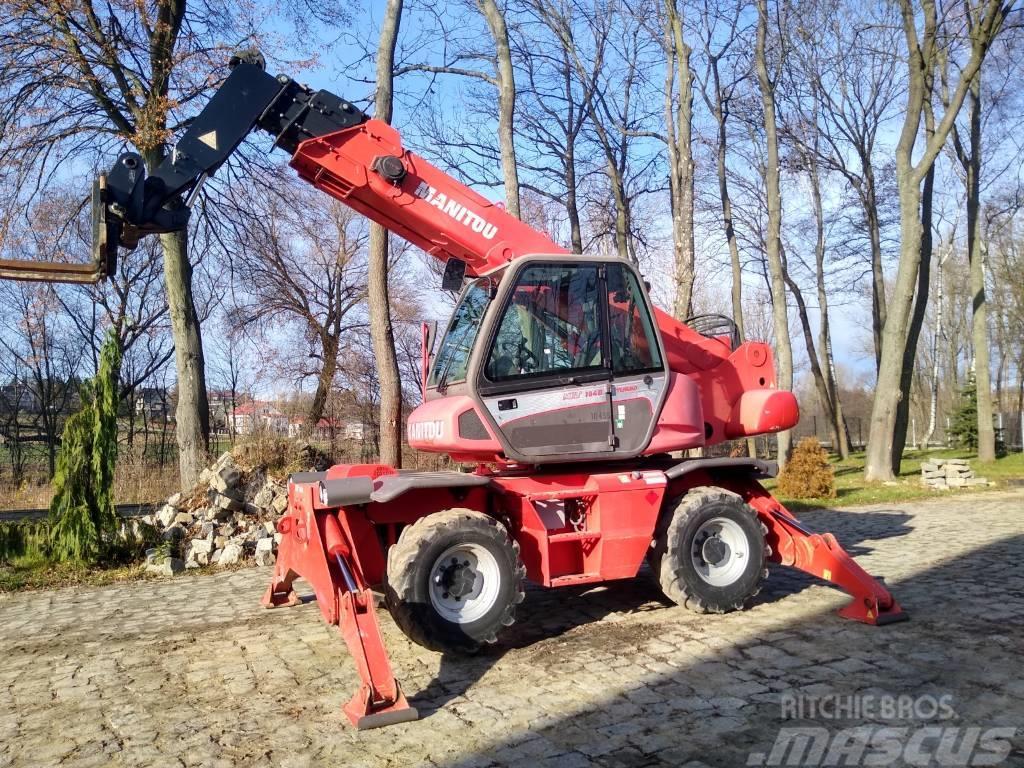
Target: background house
(257, 416)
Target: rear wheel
(709, 554)
(453, 580)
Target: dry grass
(136, 481)
(28, 495)
(281, 456)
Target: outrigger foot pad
(868, 611)
(363, 714)
(272, 599)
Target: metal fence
(1010, 428)
(813, 425)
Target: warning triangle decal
(209, 139)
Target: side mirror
(454, 274)
(428, 332)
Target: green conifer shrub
(83, 522)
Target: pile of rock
(943, 474)
(228, 518)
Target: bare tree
(38, 339)
(801, 130)
(80, 80)
(553, 110)
(774, 203)
(940, 263)
(303, 262)
(923, 50)
(618, 50)
(847, 57)
(15, 399)
(506, 85)
(381, 331)
(132, 302)
(1007, 263)
(464, 57)
(718, 94)
(233, 369)
(976, 162)
(107, 73)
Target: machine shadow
(853, 529)
(550, 613)
(823, 652)
(545, 614)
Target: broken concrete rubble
(943, 474)
(229, 518)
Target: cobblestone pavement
(194, 672)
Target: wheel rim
(464, 583)
(719, 551)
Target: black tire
(676, 552)
(413, 559)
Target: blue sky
(345, 69)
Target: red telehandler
(570, 393)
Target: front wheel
(709, 554)
(453, 580)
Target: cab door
(639, 379)
(545, 379)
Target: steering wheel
(525, 358)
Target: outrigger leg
(820, 554)
(319, 553)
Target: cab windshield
(453, 357)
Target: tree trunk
(736, 266)
(933, 405)
(878, 460)
(130, 437)
(835, 411)
(979, 333)
(812, 355)
(902, 422)
(192, 413)
(878, 303)
(622, 214)
(571, 202)
(976, 251)
(678, 125)
(899, 440)
(727, 225)
(323, 384)
(381, 333)
(506, 99)
(780, 316)
(1020, 398)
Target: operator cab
(559, 357)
